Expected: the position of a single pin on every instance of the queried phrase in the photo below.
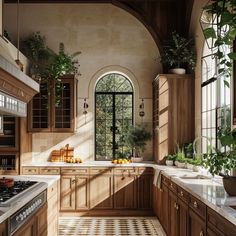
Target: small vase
(189, 166)
(169, 163)
(137, 159)
(181, 165)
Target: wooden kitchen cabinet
(74, 190)
(145, 183)
(67, 198)
(101, 188)
(82, 192)
(218, 226)
(173, 114)
(3, 229)
(173, 214)
(197, 225)
(28, 229)
(54, 108)
(125, 188)
(165, 207)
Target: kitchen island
(32, 208)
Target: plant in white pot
(137, 138)
(178, 53)
(170, 159)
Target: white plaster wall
(110, 39)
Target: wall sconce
(85, 107)
(141, 109)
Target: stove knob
(17, 218)
(21, 217)
(24, 214)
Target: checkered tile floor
(118, 226)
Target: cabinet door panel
(145, 191)
(173, 214)
(183, 218)
(125, 188)
(27, 230)
(101, 191)
(68, 193)
(82, 192)
(197, 225)
(165, 208)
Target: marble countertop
(88, 164)
(209, 190)
(6, 212)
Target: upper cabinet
(173, 113)
(54, 108)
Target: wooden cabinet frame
(51, 111)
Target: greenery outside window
(114, 116)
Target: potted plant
(178, 53)
(170, 160)
(180, 159)
(222, 161)
(136, 138)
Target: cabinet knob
(177, 207)
(195, 204)
(201, 233)
(181, 193)
(73, 181)
(161, 190)
(171, 185)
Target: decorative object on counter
(73, 160)
(178, 53)
(222, 161)
(85, 109)
(6, 182)
(121, 161)
(68, 153)
(136, 138)
(180, 158)
(57, 155)
(170, 159)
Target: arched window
(114, 115)
(215, 98)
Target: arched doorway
(113, 116)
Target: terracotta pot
(230, 185)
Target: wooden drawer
(74, 171)
(198, 206)
(183, 195)
(145, 170)
(49, 171)
(215, 221)
(30, 170)
(164, 180)
(52, 190)
(173, 186)
(95, 171)
(124, 171)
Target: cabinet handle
(73, 181)
(195, 204)
(201, 233)
(177, 207)
(171, 185)
(181, 193)
(161, 190)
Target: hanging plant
(218, 22)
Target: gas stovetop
(7, 193)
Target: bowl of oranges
(121, 161)
(73, 160)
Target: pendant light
(18, 62)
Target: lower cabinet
(3, 229)
(183, 218)
(173, 215)
(101, 189)
(197, 225)
(165, 207)
(125, 191)
(82, 192)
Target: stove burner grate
(7, 193)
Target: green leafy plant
(180, 156)
(179, 52)
(171, 157)
(137, 137)
(221, 29)
(222, 160)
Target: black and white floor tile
(110, 226)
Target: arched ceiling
(161, 17)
